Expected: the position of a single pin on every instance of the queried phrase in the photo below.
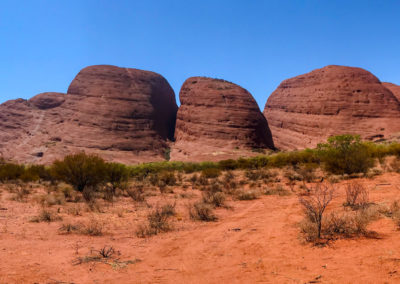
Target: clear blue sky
(256, 44)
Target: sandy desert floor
(254, 241)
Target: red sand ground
(256, 242)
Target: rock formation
(395, 89)
(307, 109)
(123, 114)
(218, 116)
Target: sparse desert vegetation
(148, 211)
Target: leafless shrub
(277, 190)
(202, 212)
(348, 225)
(158, 221)
(104, 255)
(46, 216)
(357, 195)
(75, 210)
(216, 199)
(68, 228)
(247, 194)
(136, 193)
(107, 251)
(315, 204)
(20, 193)
(89, 193)
(93, 227)
(395, 165)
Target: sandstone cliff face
(216, 115)
(307, 109)
(123, 114)
(395, 89)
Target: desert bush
(292, 175)
(201, 211)
(50, 199)
(75, 210)
(339, 225)
(356, 195)
(315, 203)
(215, 198)
(277, 190)
(21, 193)
(136, 193)
(46, 216)
(307, 171)
(93, 227)
(348, 225)
(247, 194)
(227, 165)
(158, 221)
(168, 209)
(68, 228)
(395, 165)
(117, 175)
(211, 173)
(89, 193)
(9, 171)
(168, 178)
(345, 154)
(163, 179)
(80, 170)
(255, 175)
(392, 212)
(228, 182)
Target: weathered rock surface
(395, 89)
(218, 116)
(307, 109)
(125, 115)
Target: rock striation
(395, 89)
(307, 109)
(216, 114)
(123, 114)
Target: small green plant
(167, 154)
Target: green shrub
(117, 174)
(226, 165)
(345, 154)
(80, 170)
(9, 171)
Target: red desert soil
(255, 242)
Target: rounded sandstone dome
(307, 109)
(217, 112)
(48, 100)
